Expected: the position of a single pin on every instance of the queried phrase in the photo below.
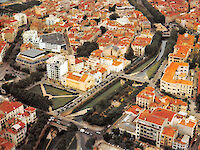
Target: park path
(44, 93)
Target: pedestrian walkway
(44, 93)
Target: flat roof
(32, 53)
(53, 38)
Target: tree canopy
(86, 49)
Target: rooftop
(164, 113)
(7, 107)
(170, 72)
(149, 117)
(32, 53)
(169, 131)
(53, 38)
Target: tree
(84, 17)
(26, 147)
(116, 131)
(103, 29)
(90, 142)
(112, 9)
(107, 137)
(86, 49)
(114, 16)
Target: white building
(56, 67)
(15, 131)
(21, 18)
(30, 36)
(97, 76)
(9, 110)
(51, 20)
(181, 142)
(150, 127)
(54, 42)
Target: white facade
(183, 144)
(21, 18)
(57, 66)
(52, 42)
(16, 133)
(30, 36)
(51, 20)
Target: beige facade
(145, 97)
(78, 81)
(176, 80)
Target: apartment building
(21, 18)
(150, 127)
(57, 66)
(6, 145)
(176, 80)
(15, 131)
(168, 135)
(139, 44)
(30, 36)
(181, 142)
(9, 110)
(182, 49)
(145, 97)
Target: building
(30, 36)
(29, 115)
(164, 113)
(168, 136)
(9, 34)
(31, 58)
(181, 142)
(21, 18)
(6, 145)
(54, 42)
(9, 110)
(15, 131)
(180, 54)
(187, 127)
(150, 127)
(57, 66)
(3, 48)
(176, 80)
(145, 97)
(78, 81)
(139, 44)
(128, 120)
(51, 20)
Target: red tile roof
(30, 109)
(7, 107)
(6, 145)
(164, 113)
(169, 131)
(147, 116)
(134, 109)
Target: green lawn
(55, 91)
(36, 89)
(57, 102)
(151, 72)
(103, 96)
(143, 65)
